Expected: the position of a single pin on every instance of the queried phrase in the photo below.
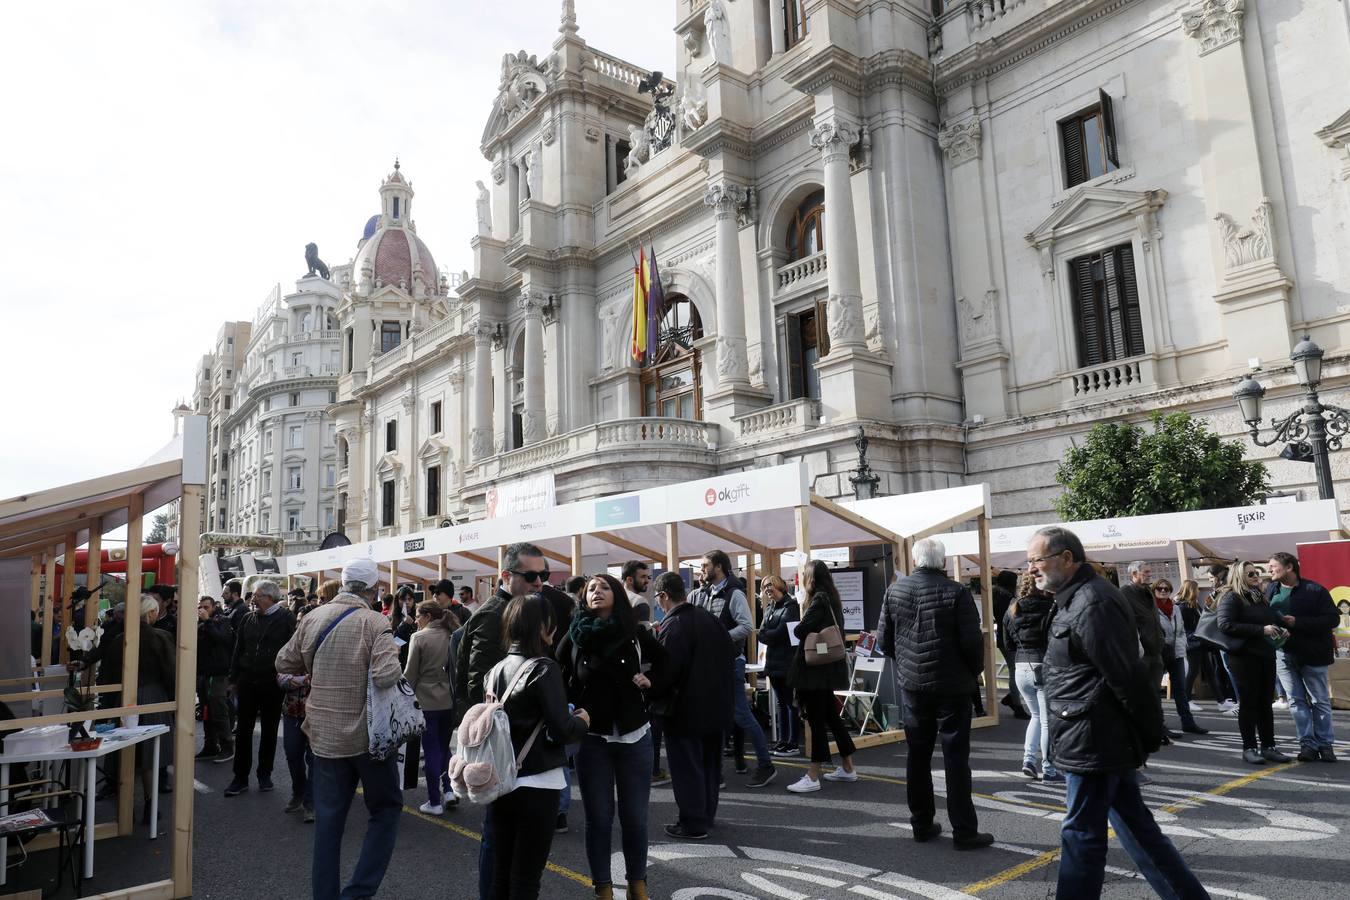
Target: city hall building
(968, 230)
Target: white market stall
(1240, 532)
(760, 514)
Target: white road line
(1238, 773)
(1130, 873)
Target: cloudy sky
(163, 165)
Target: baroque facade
(971, 229)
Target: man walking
(1105, 718)
(723, 596)
(215, 647)
(930, 627)
(524, 572)
(1302, 664)
(1139, 593)
(341, 645)
(253, 675)
(637, 577)
(696, 708)
(232, 595)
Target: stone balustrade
(812, 268)
(793, 415)
(652, 430)
(647, 433)
(615, 68)
(984, 13)
(1107, 378)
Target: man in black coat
(695, 708)
(215, 649)
(930, 627)
(1303, 663)
(1105, 718)
(253, 675)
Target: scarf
(1164, 605)
(594, 634)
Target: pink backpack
(484, 766)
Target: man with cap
(444, 594)
(339, 646)
(253, 676)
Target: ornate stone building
(971, 229)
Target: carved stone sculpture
(1242, 246)
(732, 364)
(315, 264)
(961, 141)
(637, 152)
(484, 210)
(480, 443)
(718, 29)
(522, 83)
(693, 110)
(844, 319)
(977, 317)
(1214, 23)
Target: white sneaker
(1226, 705)
(840, 775)
(1280, 704)
(804, 785)
(1231, 711)
(432, 809)
(1195, 707)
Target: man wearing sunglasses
(524, 572)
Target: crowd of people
(594, 679)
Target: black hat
(296, 592)
(404, 591)
(444, 586)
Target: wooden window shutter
(822, 330)
(1109, 129)
(1085, 311)
(1114, 344)
(1075, 156)
(796, 378)
(1129, 289)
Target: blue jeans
(299, 758)
(335, 782)
(1092, 801)
(1309, 700)
(746, 719)
(565, 795)
(486, 858)
(436, 752)
(604, 769)
(1176, 675)
(1037, 740)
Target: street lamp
(1315, 428)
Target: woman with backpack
(609, 662)
(428, 651)
(1026, 627)
(522, 821)
(815, 684)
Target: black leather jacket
(540, 695)
(1105, 715)
(930, 627)
(773, 632)
(261, 638)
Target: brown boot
(604, 892)
(637, 890)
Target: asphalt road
(1248, 832)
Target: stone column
(480, 432)
(844, 313)
(732, 368)
(777, 27)
(1252, 292)
(533, 427)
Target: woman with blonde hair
(328, 590)
(1027, 628)
(1246, 616)
(781, 612)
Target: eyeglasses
(1162, 590)
(1252, 575)
(531, 576)
(1036, 561)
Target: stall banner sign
(522, 495)
(850, 585)
(756, 490)
(621, 510)
(1328, 564)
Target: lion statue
(315, 264)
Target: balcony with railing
(792, 416)
(801, 274)
(967, 22)
(1110, 379)
(650, 440)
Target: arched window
(670, 380)
(806, 231)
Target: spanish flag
(641, 286)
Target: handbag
(825, 646)
(1207, 630)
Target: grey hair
(1058, 539)
(929, 553)
(268, 589)
(354, 587)
(1136, 567)
(148, 605)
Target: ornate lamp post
(863, 479)
(1315, 428)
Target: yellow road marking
(584, 880)
(1050, 856)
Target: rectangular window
(267, 443)
(391, 436)
(1106, 306)
(292, 521)
(295, 436)
(387, 505)
(433, 490)
(350, 339)
(391, 335)
(267, 481)
(295, 358)
(328, 519)
(795, 24)
(436, 417)
(267, 403)
(332, 396)
(329, 475)
(807, 342)
(293, 481)
(1089, 142)
(229, 401)
(295, 398)
(329, 433)
(266, 521)
(396, 205)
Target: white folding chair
(867, 699)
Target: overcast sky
(163, 164)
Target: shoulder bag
(1207, 630)
(825, 646)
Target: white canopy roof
(1240, 532)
